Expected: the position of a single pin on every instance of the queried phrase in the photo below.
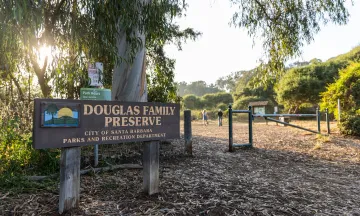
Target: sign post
(68, 124)
(69, 194)
(95, 94)
(151, 167)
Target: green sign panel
(95, 94)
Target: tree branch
(262, 7)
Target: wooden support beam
(187, 132)
(151, 167)
(69, 195)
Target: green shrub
(192, 102)
(222, 106)
(350, 125)
(347, 89)
(243, 102)
(211, 101)
(17, 155)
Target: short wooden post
(187, 132)
(327, 120)
(69, 195)
(230, 130)
(250, 126)
(151, 167)
(339, 110)
(318, 120)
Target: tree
(118, 32)
(198, 88)
(285, 26)
(302, 86)
(81, 31)
(295, 89)
(212, 100)
(227, 83)
(192, 102)
(347, 89)
(52, 110)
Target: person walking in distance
(220, 116)
(204, 114)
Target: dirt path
(287, 173)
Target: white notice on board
(95, 72)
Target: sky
(222, 49)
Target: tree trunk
(129, 79)
(41, 75)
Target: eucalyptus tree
(80, 31)
(286, 25)
(121, 33)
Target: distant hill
(352, 55)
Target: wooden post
(339, 110)
(151, 167)
(187, 132)
(230, 130)
(327, 120)
(318, 118)
(69, 195)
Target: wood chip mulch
(288, 172)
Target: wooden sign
(66, 123)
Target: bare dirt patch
(288, 172)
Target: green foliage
(243, 102)
(228, 83)
(350, 124)
(17, 155)
(222, 106)
(192, 102)
(303, 85)
(208, 101)
(84, 31)
(248, 89)
(347, 89)
(19, 184)
(160, 80)
(212, 100)
(352, 55)
(198, 88)
(285, 26)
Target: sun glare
(44, 52)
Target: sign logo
(60, 114)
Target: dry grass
(288, 172)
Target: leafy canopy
(347, 89)
(286, 25)
(83, 31)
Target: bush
(347, 89)
(222, 106)
(211, 101)
(17, 155)
(304, 84)
(350, 125)
(243, 102)
(192, 102)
